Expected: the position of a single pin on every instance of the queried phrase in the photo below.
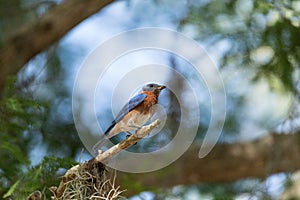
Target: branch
(38, 35)
(95, 167)
(131, 140)
(271, 154)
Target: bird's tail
(100, 143)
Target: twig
(95, 166)
(131, 140)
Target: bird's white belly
(136, 121)
(140, 120)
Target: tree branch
(271, 154)
(95, 167)
(38, 35)
(131, 140)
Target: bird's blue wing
(133, 102)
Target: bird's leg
(133, 125)
(137, 127)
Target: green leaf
(14, 104)
(37, 173)
(12, 189)
(16, 152)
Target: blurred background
(254, 43)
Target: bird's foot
(128, 135)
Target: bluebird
(134, 114)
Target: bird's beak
(161, 87)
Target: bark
(38, 35)
(271, 154)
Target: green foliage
(16, 114)
(31, 123)
(21, 122)
(12, 189)
(40, 177)
(136, 186)
(248, 26)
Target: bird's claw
(128, 135)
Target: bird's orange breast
(150, 100)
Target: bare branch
(134, 138)
(38, 35)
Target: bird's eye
(151, 85)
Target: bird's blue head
(153, 87)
